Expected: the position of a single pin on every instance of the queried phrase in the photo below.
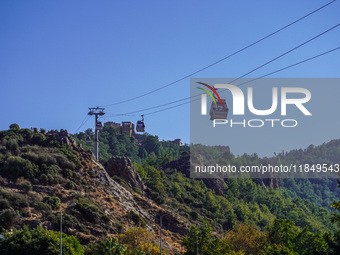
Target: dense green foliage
(89, 210)
(322, 192)
(54, 202)
(12, 204)
(32, 155)
(38, 241)
(282, 237)
(113, 142)
(243, 201)
(107, 247)
(293, 219)
(35, 158)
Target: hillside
(42, 172)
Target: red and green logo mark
(209, 93)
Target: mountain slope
(43, 172)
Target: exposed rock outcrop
(182, 165)
(123, 168)
(63, 137)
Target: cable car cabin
(140, 127)
(88, 139)
(219, 111)
(99, 125)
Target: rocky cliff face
(122, 207)
(123, 168)
(123, 202)
(61, 136)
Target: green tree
(282, 232)
(304, 242)
(54, 202)
(15, 167)
(38, 241)
(334, 241)
(207, 243)
(38, 138)
(109, 246)
(14, 127)
(8, 217)
(246, 238)
(277, 250)
(307, 243)
(136, 241)
(27, 186)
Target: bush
(4, 204)
(26, 133)
(26, 186)
(137, 219)
(43, 207)
(43, 179)
(68, 220)
(39, 241)
(3, 149)
(54, 179)
(71, 156)
(158, 197)
(34, 198)
(122, 183)
(119, 227)
(15, 167)
(14, 127)
(67, 173)
(8, 217)
(90, 211)
(194, 215)
(12, 145)
(109, 246)
(138, 191)
(65, 163)
(40, 157)
(70, 185)
(38, 138)
(54, 202)
(16, 200)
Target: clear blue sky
(57, 58)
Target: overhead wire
(150, 108)
(253, 70)
(218, 61)
(287, 52)
(86, 118)
(118, 114)
(284, 68)
(279, 70)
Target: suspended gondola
(140, 126)
(218, 111)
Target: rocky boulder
(61, 136)
(123, 168)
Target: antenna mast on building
(97, 111)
